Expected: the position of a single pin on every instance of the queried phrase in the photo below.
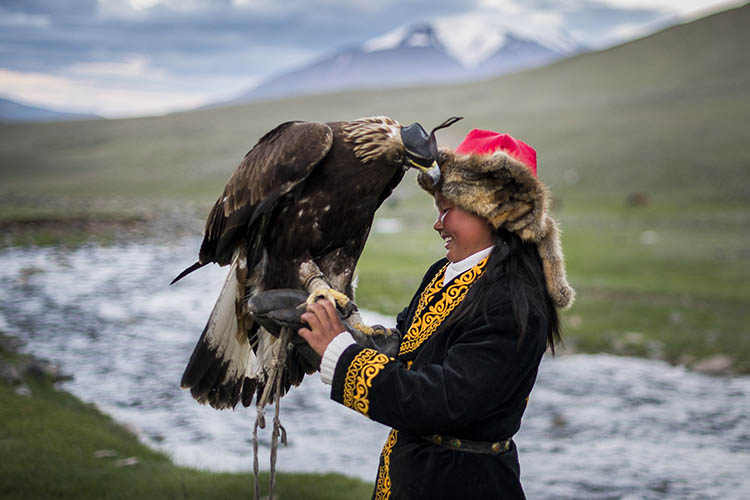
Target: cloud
(143, 4)
(24, 20)
(69, 8)
(134, 65)
(191, 49)
(108, 99)
(681, 8)
(190, 38)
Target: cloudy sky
(135, 57)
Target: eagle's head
(421, 149)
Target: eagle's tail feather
(218, 366)
(248, 390)
(203, 386)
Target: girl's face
(463, 232)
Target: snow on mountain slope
(447, 50)
(469, 39)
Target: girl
(473, 335)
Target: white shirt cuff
(332, 354)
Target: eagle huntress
(295, 214)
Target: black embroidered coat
(468, 379)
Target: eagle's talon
(365, 329)
(337, 298)
(380, 330)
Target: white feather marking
(223, 319)
(222, 334)
(251, 365)
(263, 353)
(355, 281)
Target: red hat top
(483, 142)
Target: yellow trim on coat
(383, 485)
(425, 323)
(358, 380)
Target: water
(597, 426)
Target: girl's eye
(443, 213)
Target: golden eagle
(294, 215)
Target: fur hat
(494, 176)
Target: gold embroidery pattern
(363, 368)
(429, 292)
(426, 323)
(383, 488)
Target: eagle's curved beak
(433, 172)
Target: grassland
(661, 121)
(54, 446)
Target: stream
(597, 426)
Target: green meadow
(644, 147)
(54, 446)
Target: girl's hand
(324, 325)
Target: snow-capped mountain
(471, 40)
(439, 52)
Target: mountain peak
(416, 35)
(470, 40)
(421, 35)
(444, 50)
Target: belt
(487, 447)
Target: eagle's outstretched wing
(223, 367)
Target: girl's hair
(517, 264)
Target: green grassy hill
(52, 445)
(660, 120)
(652, 114)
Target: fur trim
(503, 191)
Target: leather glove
(281, 308)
